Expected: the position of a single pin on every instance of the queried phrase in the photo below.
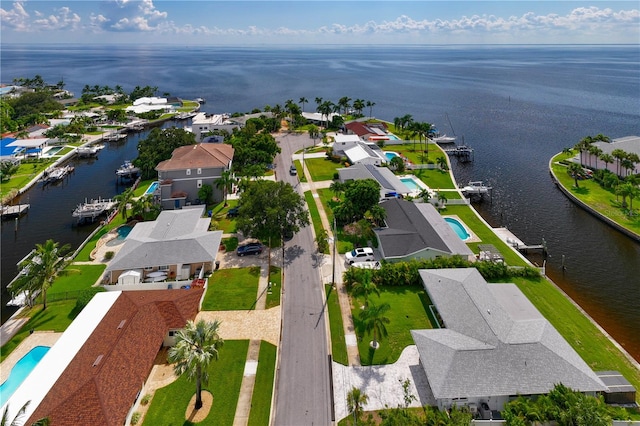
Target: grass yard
(26, 172)
(169, 404)
(602, 200)
(313, 212)
(273, 297)
(298, 165)
(76, 277)
(345, 242)
(321, 168)
(232, 289)
(484, 233)
(593, 346)
(57, 317)
(409, 307)
(338, 343)
(142, 187)
(263, 388)
(219, 219)
(435, 178)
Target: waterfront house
(97, 369)
(492, 344)
(203, 123)
(417, 231)
(367, 131)
(189, 168)
(628, 144)
(357, 151)
(177, 245)
(390, 185)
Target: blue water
(123, 231)
(458, 228)
(152, 188)
(20, 371)
(515, 105)
(390, 155)
(410, 183)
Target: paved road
(303, 390)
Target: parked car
(363, 254)
(233, 212)
(292, 170)
(249, 248)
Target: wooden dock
(10, 212)
(508, 237)
(462, 152)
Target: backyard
(232, 289)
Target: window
(188, 172)
(171, 333)
(163, 268)
(148, 268)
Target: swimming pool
(393, 137)
(152, 188)
(410, 183)
(458, 228)
(123, 231)
(390, 155)
(53, 151)
(20, 371)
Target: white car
(363, 254)
(366, 265)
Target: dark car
(250, 248)
(233, 212)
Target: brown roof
(101, 391)
(202, 155)
(362, 129)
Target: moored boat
(127, 169)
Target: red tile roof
(102, 381)
(202, 155)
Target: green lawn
(232, 289)
(76, 277)
(321, 168)
(57, 317)
(593, 346)
(142, 187)
(313, 212)
(435, 179)
(273, 297)
(84, 254)
(409, 307)
(169, 404)
(26, 172)
(219, 219)
(602, 200)
(338, 343)
(263, 388)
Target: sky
(239, 22)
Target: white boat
(127, 169)
(56, 174)
(93, 208)
(88, 151)
(114, 137)
(444, 139)
(475, 187)
(185, 115)
(201, 100)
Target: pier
(508, 237)
(462, 152)
(89, 210)
(10, 212)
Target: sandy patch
(195, 416)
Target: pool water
(53, 151)
(390, 155)
(410, 183)
(458, 228)
(393, 137)
(152, 188)
(123, 231)
(20, 371)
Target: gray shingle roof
(385, 177)
(412, 227)
(491, 349)
(176, 236)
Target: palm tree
(627, 165)
(596, 152)
(39, 272)
(442, 199)
(374, 320)
(16, 420)
(607, 159)
(337, 188)
(303, 101)
(619, 155)
(325, 108)
(377, 214)
(576, 172)
(225, 182)
(124, 199)
(370, 105)
(356, 399)
(425, 195)
(314, 132)
(358, 105)
(343, 103)
(442, 163)
(365, 288)
(583, 146)
(197, 344)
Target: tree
(225, 183)
(576, 172)
(8, 169)
(619, 155)
(365, 287)
(374, 321)
(358, 105)
(40, 270)
(269, 209)
(343, 103)
(356, 399)
(196, 346)
(607, 159)
(303, 101)
(397, 164)
(425, 195)
(17, 419)
(325, 108)
(595, 152)
(205, 194)
(370, 105)
(583, 146)
(359, 197)
(124, 199)
(442, 163)
(314, 132)
(159, 146)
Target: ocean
(515, 105)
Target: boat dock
(10, 212)
(508, 237)
(56, 174)
(462, 152)
(93, 208)
(114, 137)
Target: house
(148, 104)
(318, 118)
(358, 151)
(629, 144)
(177, 244)
(390, 185)
(368, 131)
(204, 123)
(189, 168)
(95, 371)
(493, 344)
(417, 231)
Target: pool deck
(38, 338)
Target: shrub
(86, 296)
(109, 255)
(145, 399)
(135, 418)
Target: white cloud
(65, 19)
(16, 18)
